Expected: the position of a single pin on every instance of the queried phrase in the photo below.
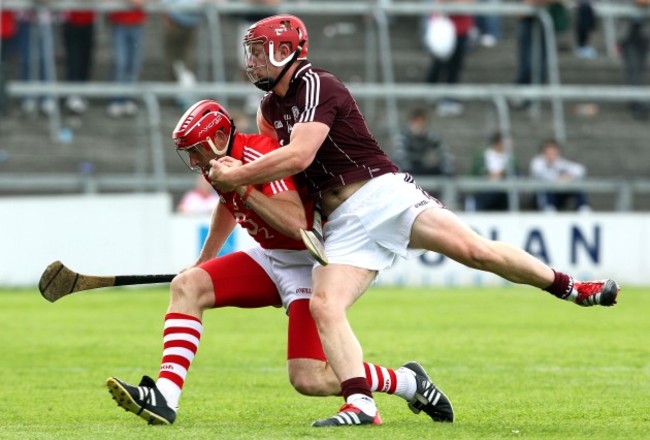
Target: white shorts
(289, 270)
(374, 225)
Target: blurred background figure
(489, 26)
(634, 49)
(550, 166)
(35, 48)
(8, 33)
(252, 101)
(531, 58)
(126, 39)
(199, 200)
(78, 27)
(585, 25)
(447, 68)
(419, 151)
(495, 162)
(7, 52)
(180, 30)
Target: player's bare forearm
(283, 211)
(275, 165)
(306, 139)
(221, 225)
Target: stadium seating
(121, 146)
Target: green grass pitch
(515, 362)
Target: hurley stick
(58, 281)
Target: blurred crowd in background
(446, 40)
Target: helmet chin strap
(267, 84)
(228, 147)
(224, 151)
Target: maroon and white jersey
(349, 153)
(247, 148)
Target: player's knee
(323, 309)
(186, 288)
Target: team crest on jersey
(277, 124)
(295, 112)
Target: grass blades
(515, 362)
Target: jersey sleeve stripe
(279, 186)
(312, 95)
(250, 155)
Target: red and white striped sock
(181, 336)
(387, 380)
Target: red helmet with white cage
(203, 133)
(262, 40)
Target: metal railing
(150, 93)
(379, 10)
(450, 190)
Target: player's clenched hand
(230, 161)
(220, 171)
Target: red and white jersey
(349, 153)
(247, 148)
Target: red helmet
(276, 30)
(261, 41)
(195, 134)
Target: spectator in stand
(7, 50)
(634, 48)
(79, 44)
(550, 166)
(528, 27)
(489, 26)
(252, 101)
(199, 200)
(179, 31)
(585, 25)
(7, 34)
(495, 162)
(33, 33)
(448, 70)
(418, 151)
(127, 28)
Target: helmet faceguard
(205, 132)
(264, 38)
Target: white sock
(170, 392)
(364, 403)
(406, 384)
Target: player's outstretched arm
(306, 139)
(222, 224)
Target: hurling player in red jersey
(276, 273)
(374, 212)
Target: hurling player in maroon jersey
(374, 213)
(276, 273)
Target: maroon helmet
(203, 133)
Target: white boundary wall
(138, 234)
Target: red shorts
(239, 281)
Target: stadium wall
(138, 234)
